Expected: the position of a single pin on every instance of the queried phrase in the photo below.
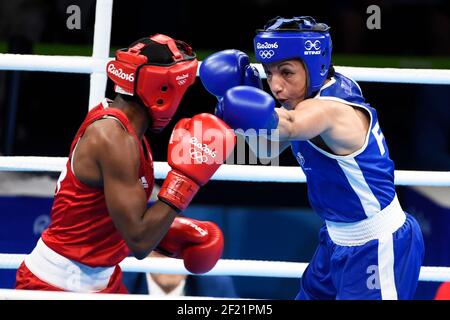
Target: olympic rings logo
(266, 54)
(197, 155)
(312, 45)
(200, 151)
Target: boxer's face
(287, 81)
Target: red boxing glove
(197, 148)
(198, 243)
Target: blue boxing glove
(246, 107)
(226, 69)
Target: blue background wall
(22, 219)
(250, 233)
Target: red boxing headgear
(159, 70)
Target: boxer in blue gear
(369, 248)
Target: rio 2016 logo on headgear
(267, 45)
(119, 73)
(312, 48)
(266, 54)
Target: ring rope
(15, 294)
(252, 268)
(228, 172)
(81, 64)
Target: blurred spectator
(179, 284)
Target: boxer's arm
(118, 158)
(253, 111)
(342, 127)
(310, 118)
(264, 148)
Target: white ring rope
(393, 75)
(252, 268)
(80, 64)
(13, 294)
(229, 172)
(397, 75)
(69, 64)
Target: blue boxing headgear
(297, 38)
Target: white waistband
(66, 274)
(385, 222)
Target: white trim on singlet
(105, 103)
(72, 156)
(355, 178)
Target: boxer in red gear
(99, 213)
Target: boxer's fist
(198, 243)
(226, 69)
(246, 107)
(197, 148)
